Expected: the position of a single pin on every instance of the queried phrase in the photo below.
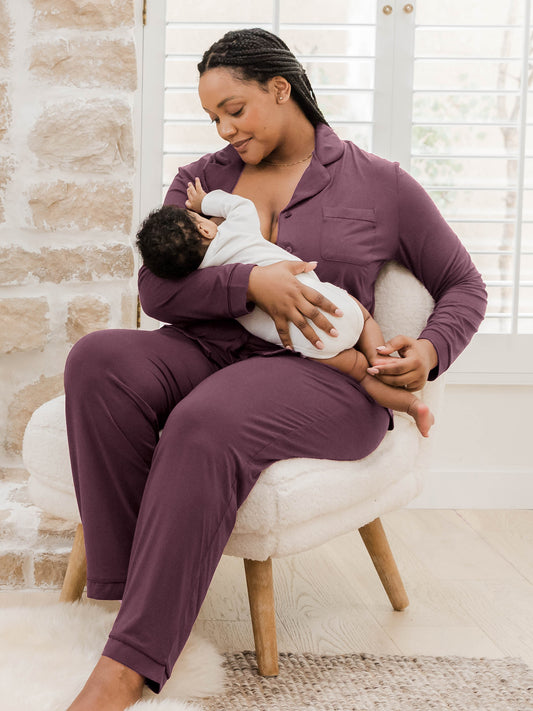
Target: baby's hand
(195, 195)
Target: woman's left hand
(417, 358)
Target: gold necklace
(286, 165)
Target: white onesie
(239, 240)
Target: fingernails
(289, 348)
(319, 345)
(372, 371)
(338, 312)
(381, 348)
(333, 332)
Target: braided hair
(260, 55)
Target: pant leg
(214, 445)
(120, 387)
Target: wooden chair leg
(76, 575)
(261, 598)
(377, 545)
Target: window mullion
(276, 16)
(524, 87)
(153, 98)
(402, 86)
(394, 84)
(383, 90)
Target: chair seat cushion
(296, 504)
(46, 457)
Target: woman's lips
(241, 145)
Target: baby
(174, 242)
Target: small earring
(280, 99)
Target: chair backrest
(403, 306)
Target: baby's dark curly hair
(169, 242)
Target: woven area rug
(363, 682)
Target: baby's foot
(422, 416)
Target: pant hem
(105, 591)
(154, 673)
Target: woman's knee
(211, 430)
(92, 358)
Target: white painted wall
(483, 449)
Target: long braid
(261, 55)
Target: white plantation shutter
(441, 86)
(471, 142)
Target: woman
(157, 514)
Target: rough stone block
(86, 63)
(93, 136)
(6, 34)
(6, 526)
(49, 569)
(65, 206)
(57, 529)
(83, 14)
(23, 324)
(24, 403)
(13, 474)
(86, 314)
(18, 265)
(5, 109)
(6, 170)
(12, 569)
(129, 310)
(84, 263)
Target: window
(443, 87)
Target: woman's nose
(226, 129)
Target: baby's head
(173, 241)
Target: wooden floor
(469, 576)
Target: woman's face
(246, 114)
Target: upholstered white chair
(297, 504)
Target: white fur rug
(47, 653)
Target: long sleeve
(212, 293)
(238, 211)
(435, 255)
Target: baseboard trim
(470, 489)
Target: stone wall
(68, 78)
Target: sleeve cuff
(237, 290)
(443, 353)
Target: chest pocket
(348, 234)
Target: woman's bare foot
(111, 687)
(422, 416)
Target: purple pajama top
(351, 212)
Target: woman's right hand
(277, 291)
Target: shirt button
(288, 248)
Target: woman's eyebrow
(225, 101)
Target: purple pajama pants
(157, 511)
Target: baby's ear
(205, 232)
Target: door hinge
(144, 11)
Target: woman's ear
(281, 89)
